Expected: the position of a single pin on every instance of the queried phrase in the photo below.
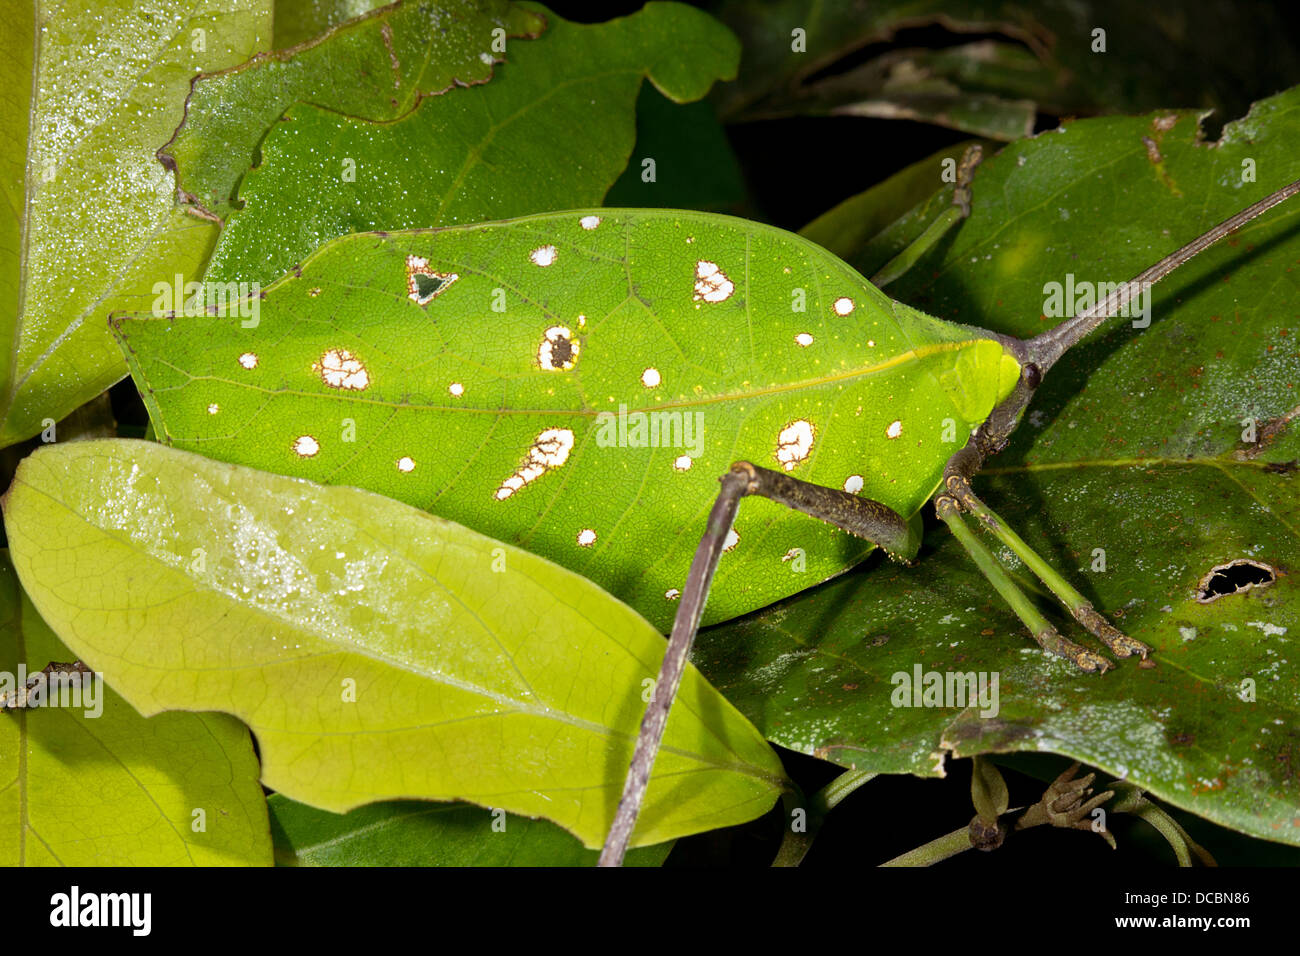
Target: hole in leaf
(1233, 578)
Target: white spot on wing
(558, 351)
(419, 266)
(549, 450)
(794, 444)
(543, 255)
(711, 283)
(305, 446)
(339, 368)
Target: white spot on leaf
(803, 340)
(683, 462)
(650, 378)
(794, 444)
(248, 360)
(672, 594)
(895, 429)
(213, 408)
(853, 484)
(843, 305)
(456, 389)
(550, 450)
(732, 540)
(711, 283)
(589, 222)
(586, 538)
(406, 464)
(543, 255)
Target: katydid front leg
(1039, 355)
(955, 213)
(862, 517)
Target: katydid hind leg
(862, 517)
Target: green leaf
(99, 785)
(298, 21)
(501, 148)
(88, 92)
(589, 420)
(410, 833)
(1133, 446)
(376, 68)
(376, 652)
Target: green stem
(936, 851)
(831, 795)
(795, 846)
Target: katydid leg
(1044, 633)
(1078, 606)
(859, 516)
(990, 438)
(952, 215)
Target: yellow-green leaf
(99, 785)
(377, 652)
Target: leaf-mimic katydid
(575, 382)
